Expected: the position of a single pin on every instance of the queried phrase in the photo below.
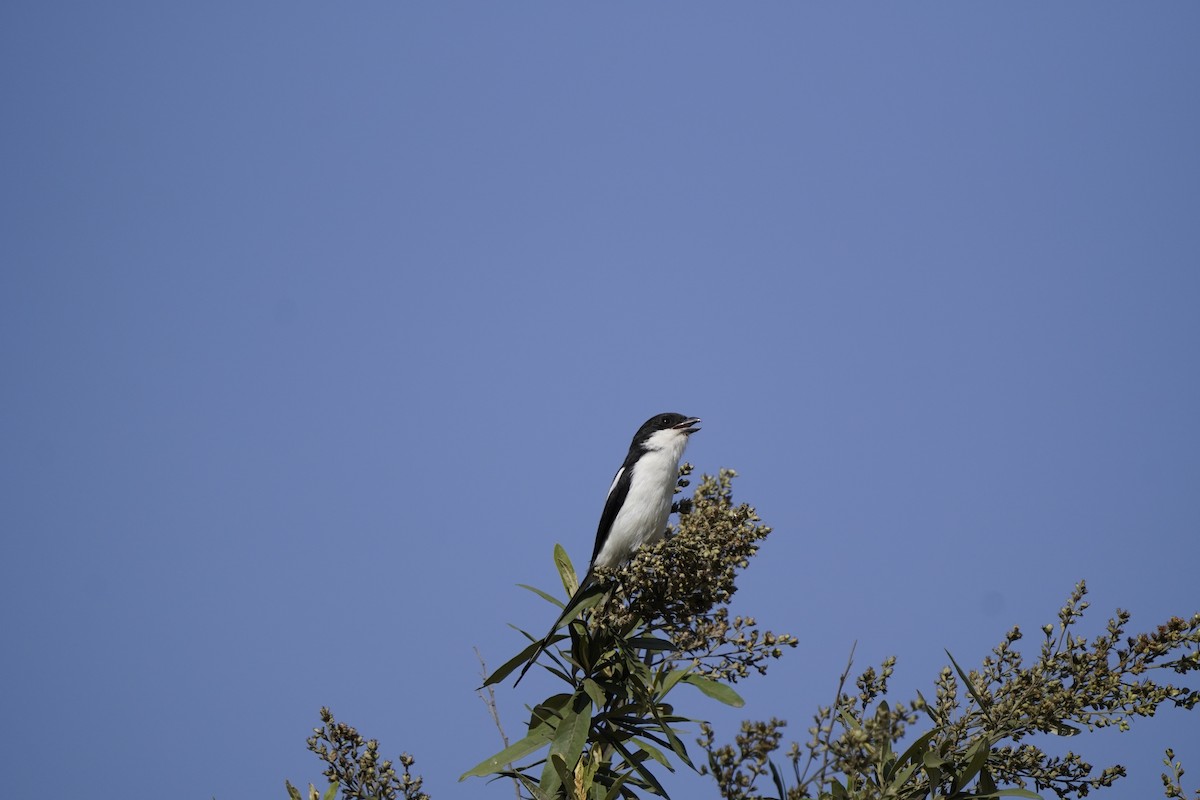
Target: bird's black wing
(616, 498)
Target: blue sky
(322, 322)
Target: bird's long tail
(588, 588)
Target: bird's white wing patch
(616, 478)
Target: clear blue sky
(321, 322)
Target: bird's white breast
(643, 516)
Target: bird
(637, 506)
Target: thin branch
(802, 779)
(490, 701)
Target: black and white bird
(638, 504)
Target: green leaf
(715, 690)
(331, 792)
(510, 666)
(640, 768)
(548, 712)
(777, 779)
(533, 742)
(983, 706)
(651, 643)
(653, 752)
(585, 779)
(900, 777)
(917, 748)
(555, 776)
(977, 757)
(614, 791)
(524, 780)
(986, 784)
(638, 672)
(570, 580)
(594, 691)
(672, 739)
(568, 742)
(292, 791)
(933, 767)
(669, 682)
(928, 709)
(590, 597)
(549, 598)
(1009, 793)
(630, 727)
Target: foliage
(663, 620)
(354, 766)
(660, 621)
(1172, 780)
(977, 742)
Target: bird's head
(662, 430)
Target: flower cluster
(681, 586)
(354, 764)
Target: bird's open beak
(686, 425)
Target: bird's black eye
(664, 419)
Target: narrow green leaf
(977, 757)
(635, 726)
(934, 778)
(331, 792)
(928, 709)
(917, 748)
(849, 720)
(292, 791)
(671, 680)
(585, 781)
(777, 779)
(555, 776)
(933, 764)
(591, 597)
(715, 690)
(675, 742)
(614, 791)
(653, 752)
(549, 598)
(640, 768)
(549, 712)
(595, 692)
(650, 643)
(966, 679)
(637, 671)
(562, 561)
(510, 666)
(558, 673)
(568, 741)
(986, 784)
(900, 777)
(531, 743)
(525, 781)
